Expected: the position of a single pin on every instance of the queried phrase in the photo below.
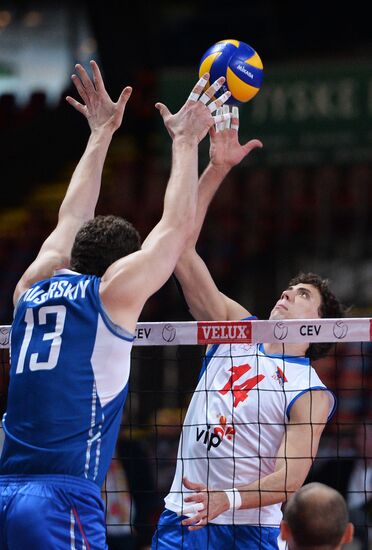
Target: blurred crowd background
(304, 202)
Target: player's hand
(195, 117)
(225, 151)
(202, 505)
(97, 106)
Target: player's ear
(348, 535)
(284, 530)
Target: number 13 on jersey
(55, 337)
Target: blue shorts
(51, 512)
(171, 535)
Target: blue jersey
(68, 381)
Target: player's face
(301, 301)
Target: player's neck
(297, 350)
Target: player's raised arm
(148, 269)
(104, 117)
(204, 299)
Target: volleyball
(239, 63)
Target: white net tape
(217, 332)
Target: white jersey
(236, 421)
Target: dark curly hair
(330, 307)
(100, 242)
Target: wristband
(234, 497)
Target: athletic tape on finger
(211, 92)
(226, 111)
(235, 115)
(193, 509)
(201, 83)
(221, 119)
(215, 87)
(218, 102)
(193, 96)
(224, 97)
(204, 98)
(219, 125)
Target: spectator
(316, 517)
(352, 477)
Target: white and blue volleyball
(239, 63)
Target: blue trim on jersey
(207, 359)
(116, 329)
(287, 358)
(314, 388)
(208, 356)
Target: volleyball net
(167, 359)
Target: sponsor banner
(312, 330)
(220, 332)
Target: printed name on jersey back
(57, 289)
(217, 332)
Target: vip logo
(210, 439)
(240, 391)
(214, 439)
(224, 430)
(279, 376)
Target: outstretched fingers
(252, 144)
(207, 97)
(124, 96)
(222, 119)
(211, 91)
(84, 86)
(76, 105)
(97, 77)
(163, 110)
(235, 118)
(198, 88)
(85, 78)
(80, 88)
(217, 103)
